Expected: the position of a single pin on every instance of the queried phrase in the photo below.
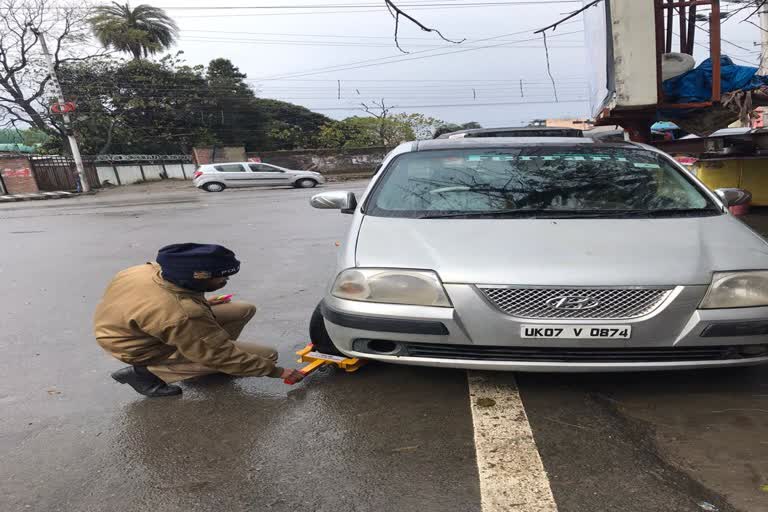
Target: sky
(333, 55)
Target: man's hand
(220, 299)
(291, 376)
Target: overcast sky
(286, 53)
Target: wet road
(389, 438)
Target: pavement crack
(642, 434)
(548, 418)
(739, 410)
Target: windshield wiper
(514, 212)
(574, 214)
(670, 212)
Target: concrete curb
(40, 196)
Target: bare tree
(396, 12)
(752, 7)
(24, 80)
(380, 110)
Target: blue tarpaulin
(696, 85)
(664, 126)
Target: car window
(229, 168)
(542, 178)
(263, 168)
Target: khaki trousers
(231, 316)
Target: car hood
(563, 252)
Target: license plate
(577, 332)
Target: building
(580, 124)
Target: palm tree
(142, 31)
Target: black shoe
(145, 382)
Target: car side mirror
(335, 200)
(734, 196)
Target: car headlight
(391, 286)
(737, 290)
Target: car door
(235, 175)
(270, 176)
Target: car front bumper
(475, 335)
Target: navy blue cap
(185, 262)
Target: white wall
(153, 172)
(175, 171)
(106, 173)
(130, 174)
(634, 52)
(597, 44)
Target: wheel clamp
(317, 360)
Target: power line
(394, 56)
(341, 44)
(301, 34)
(396, 59)
(351, 10)
(706, 47)
(363, 6)
(416, 80)
(449, 105)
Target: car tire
(214, 186)
(306, 183)
(318, 335)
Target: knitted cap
(196, 261)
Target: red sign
(686, 160)
(16, 173)
(63, 108)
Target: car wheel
(214, 186)
(306, 183)
(318, 335)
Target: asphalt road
(388, 438)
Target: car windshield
(545, 180)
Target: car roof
(479, 132)
(512, 142)
(233, 163)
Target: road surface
(388, 438)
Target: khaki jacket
(143, 319)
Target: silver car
(217, 177)
(544, 254)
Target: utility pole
(67, 123)
(764, 40)
(763, 52)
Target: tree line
(165, 105)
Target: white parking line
(512, 476)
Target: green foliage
(450, 127)
(28, 137)
(142, 106)
(355, 132)
(34, 137)
(423, 127)
(288, 126)
(142, 31)
(10, 136)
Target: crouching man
(156, 318)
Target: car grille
(603, 303)
(566, 354)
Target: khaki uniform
(144, 320)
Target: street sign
(63, 108)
